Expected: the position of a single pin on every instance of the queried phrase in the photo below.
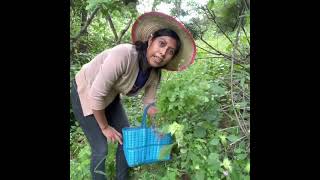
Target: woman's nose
(162, 52)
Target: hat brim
(148, 23)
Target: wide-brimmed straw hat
(148, 23)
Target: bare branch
(241, 25)
(201, 31)
(237, 140)
(208, 50)
(245, 33)
(213, 18)
(109, 20)
(247, 4)
(218, 52)
(241, 125)
(237, 62)
(210, 57)
(227, 128)
(84, 29)
(124, 31)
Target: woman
(159, 42)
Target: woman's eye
(162, 44)
(171, 52)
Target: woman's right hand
(112, 135)
(109, 132)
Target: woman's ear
(150, 40)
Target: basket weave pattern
(142, 145)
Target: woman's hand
(152, 111)
(109, 132)
(112, 135)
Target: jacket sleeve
(114, 65)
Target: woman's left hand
(152, 111)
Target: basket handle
(144, 118)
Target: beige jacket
(110, 73)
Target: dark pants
(117, 118)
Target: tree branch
(247, 4)
(210, 57)
(245, 34)
(84, 29)
(213, 18)
(124, 31)
(109, 20)
(241, 125)
(218, 52)
(208, 51)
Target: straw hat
(148, 23)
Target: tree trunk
(73, 40)
(84, 15)
(124, 31)
(109, 20)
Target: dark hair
(141, 47)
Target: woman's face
(160, 50)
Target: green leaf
(236, 175)
(218, 90)
(104, 11)
(232, 138)
(223, 139)
(214, 141)
(247, 168)
(175, 127)
(227, 164)
(238, 150)
(201, 140)
(172, 99)
(170, 107)
(183, 151)
(198, 146)
(165, 151)
(211, 115)
(213, 156)
(213, 161)
(193, 157)
(228, 48)
(200, 132)
(241, 156)
(210, 4)
(171, 175)
(200, 175)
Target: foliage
(79, 167)
(80, 156)
(227, 13)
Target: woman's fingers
(115, 136)
(119, 139)
(118, 134)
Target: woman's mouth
(157, 59)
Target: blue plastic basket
(143, 145)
